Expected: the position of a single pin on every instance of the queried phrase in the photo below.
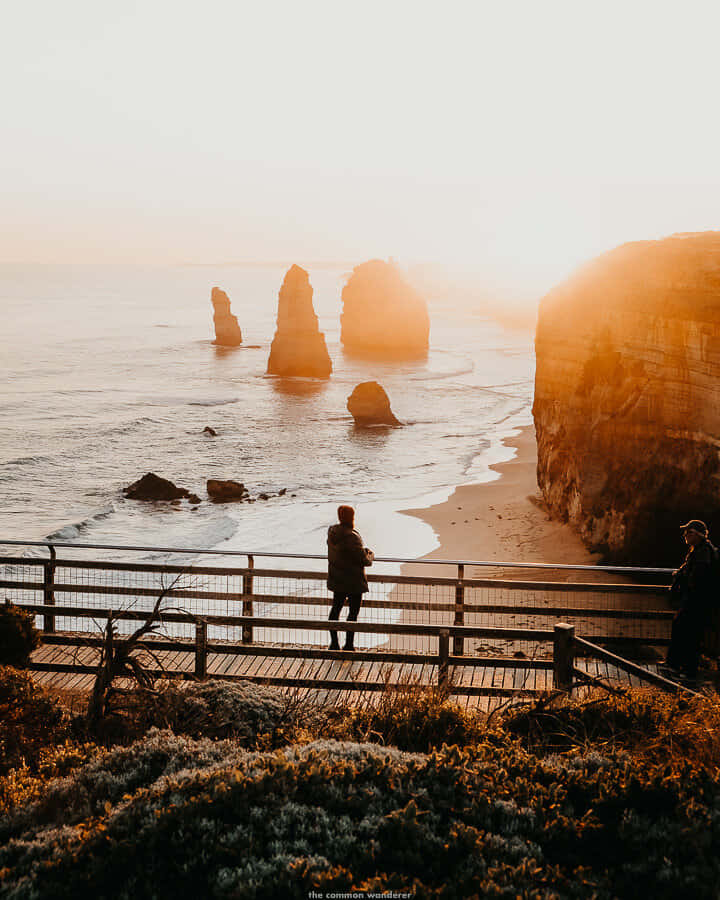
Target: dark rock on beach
(153, 487)
(224, 491)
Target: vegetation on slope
(577, 800)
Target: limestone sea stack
(383, 317)
(227, 330)
(298, 347)
(627, 397)
(370, 405)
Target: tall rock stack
(627, 397)
(227, 330)
(383, 316)
(298, 347)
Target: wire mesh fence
(619, 613)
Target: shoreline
(503, 520)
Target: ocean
(109, 372)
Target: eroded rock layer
(227, 330)
(383, 316)
(627, 397)
(298, 347)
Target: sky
(509, 139)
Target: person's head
(346, 515)
(694, 532)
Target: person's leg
(354, 601)
(692, 651)
(338, 601)
(678, 640)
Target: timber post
(563, 657)
(458, 640)
(443, 654)
(201, 649)
(247, 605)
(48, 592)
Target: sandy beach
(504, 521)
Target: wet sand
(503, 521)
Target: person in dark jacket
(693, 587)
(347, 558)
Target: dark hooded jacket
(347, 558)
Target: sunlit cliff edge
(627, 396)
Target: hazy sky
(513, 138)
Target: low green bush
(487, 821)
(18, 635)
(663, 729)
(30, 721)
(410, 719)
(252, 714)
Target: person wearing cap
(694, 587)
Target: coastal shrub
(85, 778)
(248, 712)
(408, 718)
(18, 635)
(30, 720)
(21, 787)
(661, 728)
(488, 820)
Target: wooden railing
(451, 607)
(567, 673)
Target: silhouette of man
(694, 588)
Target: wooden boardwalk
(66, 667)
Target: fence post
(48, 592)
(201, 649)
(247, 606)
(563, 657)
(443, 654)
(458, 640)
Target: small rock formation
(227, 330)
(153, 487)
(383, 316)
(627, 397)
(370, 405)
(298, 347)
(223, 491)
(209, 431)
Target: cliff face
(627, 397)
(382, 315)
(298, 347)
(227, 330)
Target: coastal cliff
(298, 347)
(383, 316)
(627, 397)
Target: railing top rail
(390, 559)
